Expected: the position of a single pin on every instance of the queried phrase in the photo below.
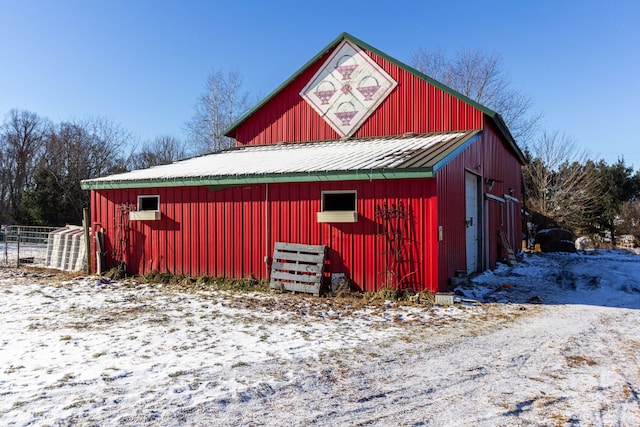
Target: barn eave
(402, 156)
(217, 181)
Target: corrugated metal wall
(488, 158)
(228, 232)
(413, 106)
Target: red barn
(407, 182)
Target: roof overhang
(262, 179)
(400, 157)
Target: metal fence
(20, 244)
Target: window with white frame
(148, 203)
(338, 206)
(148, 209)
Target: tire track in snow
(540, 359)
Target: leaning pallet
(298, 268)
(511, 256)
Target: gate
(21, 244)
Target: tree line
(42, 163)
(564, 188)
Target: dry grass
(577, 361)
(344, 302)
(255, 296)
(25, 273)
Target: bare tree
(75, 150)
(162, 150)
(563, 185)
(480, 76)
(21, 145)
(56, 198)
(107, 149)
(217, 108)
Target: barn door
(472, 221)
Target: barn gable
(406, 101)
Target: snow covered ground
(555, 341)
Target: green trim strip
(263, 179)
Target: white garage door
(472, 221)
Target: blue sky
(143, 64)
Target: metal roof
(369, 158)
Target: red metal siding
(413, 106)
(501, 165)
(489, 158)
(451, 212)
(228, 232)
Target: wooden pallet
(511, 256)
(298, 268)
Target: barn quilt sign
(347, 88)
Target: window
(339, 201)
(148, 209)
(338, 206)
(148, 203)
